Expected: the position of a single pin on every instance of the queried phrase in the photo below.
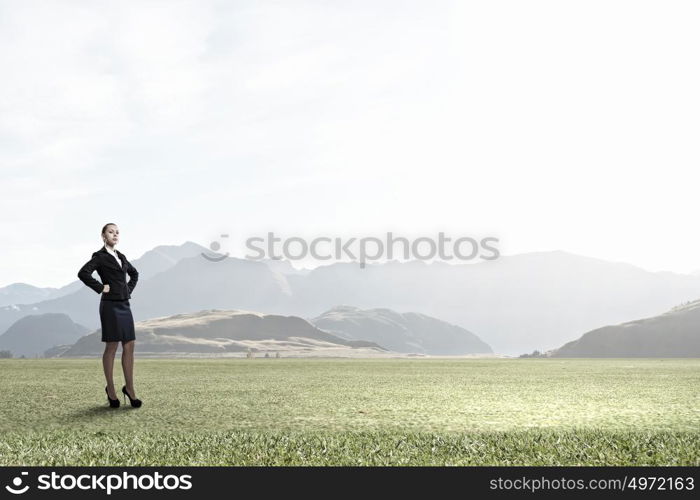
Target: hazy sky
(550, 124)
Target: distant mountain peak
(32, 335)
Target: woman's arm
(133, 276)
(85, 274)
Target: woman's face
(111, 235)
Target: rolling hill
(220, 332)
(401, 332)
(674, 334)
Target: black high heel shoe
(136, 403)
(113, 403)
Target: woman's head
(110, 234)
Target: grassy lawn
(354, 412)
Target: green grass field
(354, 412)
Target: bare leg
(108, 365)
(128, 366)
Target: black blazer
(111, 274)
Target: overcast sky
(549, 124)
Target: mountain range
(514, 304)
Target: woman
(115, 311)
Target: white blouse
(112, 252)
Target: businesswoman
(115, 311)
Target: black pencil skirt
(117, 321)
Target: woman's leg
(108, 365)
(128, 366)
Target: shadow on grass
(101, 411)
